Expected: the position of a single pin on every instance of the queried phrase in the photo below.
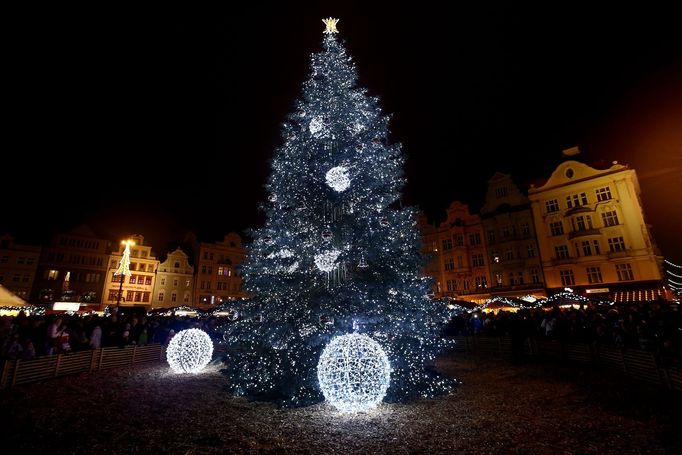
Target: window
(450, 264)
(567, 278)
(186, 298)
(113, 264)
(52, 274)
(587, 250)
(535, 276)
(459, 262)
(481, 282)
(531, 251)
(465, 284)
(525, 229)
(16, 277)
(500, 192)
(519, 277)
(147, 281)
(557, 228)
(203, 269)
(511, 279)
(451, 285)
(161, 296)
(206, 255)
(505, 231)
(561, 252)
(174, 297)
(130, 295)
(113, 295)
(447, 245)
(133, 279)
(138, 296)
(582, 223)
(210, 271)
(143, 254)
(594, 275)
(116, 278)
(616, 244)
(491, 236)
(509, 255)
(477, 260)
(175, 282)
(624, 272)
(595, 244)
(210, 256)
(610, 218)
(603, 194)
(498, 279)
(176, 265)
(163, 281)
(475, 239)
(145, 296)
(21, 260)
(133, 266)
(459, 240)
(495, 257)
(576, 200)
(187, 283)
(552, 206)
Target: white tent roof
(7, 298)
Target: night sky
(163, 121)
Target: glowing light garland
(189, 351)
(354, 373)
(337, 178)
(326, 261)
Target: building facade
(174, 281)
(216, 278)
(72, 268)
(592, 234)
(458, 255)
(137, 288)
(18, 266)
(514, 258)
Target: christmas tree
(337, 253)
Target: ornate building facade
(592, 234)
(174, 281)
(18, 266)
(216, 278)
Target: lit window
(616, 244)
(552, 206)
(610, 218)
(567, 278)
(52, 274)
(603, 194)
(594, 275)
(624, 272)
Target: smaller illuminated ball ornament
(189, 351)
(337, 178)
(354, 373)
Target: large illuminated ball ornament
(189, 351)
(354, 373)
(337, 178)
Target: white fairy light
(189, 351)
(337, 178)
(354, 373)
(326, 261)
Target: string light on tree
(354, 373)
(326, 261)
(189, 351)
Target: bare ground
(499, 408)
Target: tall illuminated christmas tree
(337, 253)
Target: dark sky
(163, 121)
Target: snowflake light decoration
(189, 351)
(327, 261)
(337, 178)
(354, 373)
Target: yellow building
(217, 279)
(592, 234)
(138, 287)
(18, 265)
(514, 260)
(174, 281)
(458, 255)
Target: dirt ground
(498, 408)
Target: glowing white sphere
(327, 261)
(189, 351)
(354, 373)
(337, 178)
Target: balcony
(583, 233)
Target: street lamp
(123, 270)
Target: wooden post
(56, 368)
(134, 352)
(93, 358)
(16, 369)
(101, 356)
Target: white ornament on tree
(354, 373)
(318, 128)
(337, 178)
(189, 351)
(326, 261)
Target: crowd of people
(650, 326)
(28, 337)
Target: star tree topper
(331, 25)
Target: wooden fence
(17, 372)
(639, 365)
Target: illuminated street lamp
(123, 269)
